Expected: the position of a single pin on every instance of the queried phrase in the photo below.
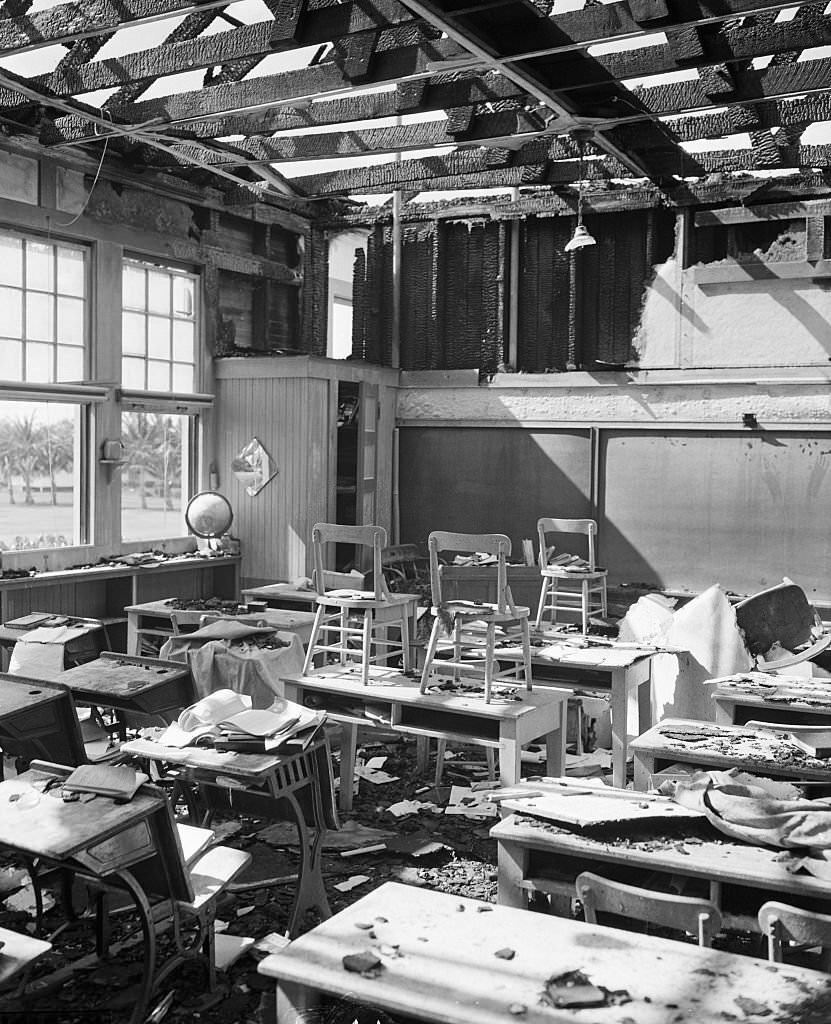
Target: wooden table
(440, 963)
(704, 744)
(154, 618)
(765, 697)
(265, 785)
(38, 720)
(537, 855)
(504, 724)
(623, 671)
(143, 686)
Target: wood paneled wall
(291, 419)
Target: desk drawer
(451, 724)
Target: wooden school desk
(265, 785)
(705, 744)
(545, 856)
(765, 697)
(154, 618)
(457, 961)
(100, 839)
(38, 720)
(622, 670)
(505, 724)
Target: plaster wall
(731, 315)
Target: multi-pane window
(156, 474)
(43, 297)
(40, 487)
(159, 329)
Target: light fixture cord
(582, 146)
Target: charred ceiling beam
(69, 22)
(510, 128)
(492, 33)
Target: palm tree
(59, 452)
(25, 444)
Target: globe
(209, 514)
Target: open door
(367, 455)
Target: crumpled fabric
(759, 811)
(257, 671)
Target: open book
(224, 719)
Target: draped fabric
(763, 813)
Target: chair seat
(467, 609)
(363, 599)
(17, 952)
(212, 873)
(557, 572)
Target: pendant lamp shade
(580, 239)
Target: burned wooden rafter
(509, 128)
(69, 22)
(494, 33)
(305, 22)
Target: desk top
(120, 676)
(696, 850)
(42, 825)
(730, 746)
(764, 689)
(280, 591)
(573, 649)
(440, 963)
(388, 686)
(18, 694)
(224, 762)
(279, 618)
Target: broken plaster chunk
(351, 882)
(363, 925)
(360, 963)
(517, 1009)
(506, 953)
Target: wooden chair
(377, 609)
(580, 589)
(783, 924)
(698, 917)
(466, 619)
(781, 619)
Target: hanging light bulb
(581, 237)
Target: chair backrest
(374, 537)
(699, 917)
(545, 525)
(780, 614)
(470, 543)
(782, 923)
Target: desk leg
(725, 712)
(311, 892)
(555, 745)
(511, 860)
(510, 754)
(619, 727)
(645, 703)
(132, 634)
(296, 1004)
(348, 749)
(149, 934)
(644, 767)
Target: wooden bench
(442, 958)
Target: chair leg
(526, 652)
(441, 747)
(344, 636)
(430, 654)
(552, 600)
(405, 643)
(541, 605)
(366, 650)
(457, 648)
(603, 599)
(584, 606)
(490, 644)
(310, 650)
